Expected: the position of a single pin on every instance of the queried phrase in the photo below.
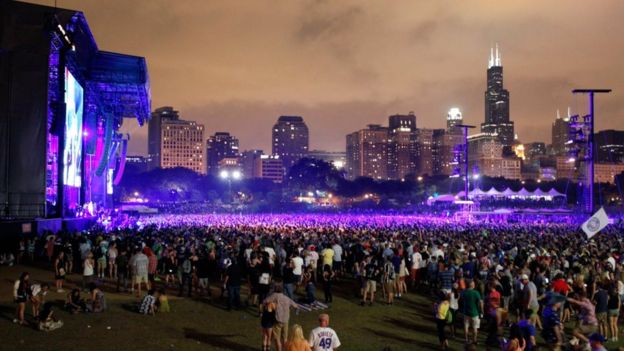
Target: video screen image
(72, 153)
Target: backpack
(449, 317)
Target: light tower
(583, 136)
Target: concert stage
(62, 103)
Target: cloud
(343, 64)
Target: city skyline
(344, 65)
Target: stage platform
(37, 226)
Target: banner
(596, 223)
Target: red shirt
(493, 300)
(560, 286)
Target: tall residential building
(269, 167)
(609, 146)
(255, 164)
(182, 145)
(154, 133)
(401, 146)
(565, 168)
(533, 151)
(426, 144)
(485, 156)
(560, 134)
(337, 158)
(219, 146)
(446, 150)
(453, 119)
(497, 102)
(137, 164)
(367, 153)
(606, 172)
(290, 139)
(248, 162)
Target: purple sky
(237, 65)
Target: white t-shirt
(417, 261)
(271, 253)
(312, 258)
(323, 339)
(337, 253)
(297, 264)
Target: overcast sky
(237, 65)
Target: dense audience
(510, 278)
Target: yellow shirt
(328, 256)
(443, 308)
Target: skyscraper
(401, 147)
(367, 153)
(219, 146)
(453, 119)
(290, 139)
(560, 134)
(497, 102)
(154, 133)
(425, 151)
(609, 146)
(182, 145)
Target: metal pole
(591, 153)
(589, 158)
(466, 181)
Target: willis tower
(497, 102)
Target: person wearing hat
(530, 302)
(552, 331)
(596, 341)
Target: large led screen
(72, 153)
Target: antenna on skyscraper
(498, 57)
(558, 116)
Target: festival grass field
(197, 324)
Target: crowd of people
(511, 280)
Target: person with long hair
(59, 271)
(614, 312)
(74, 303)
(88, 270)
(296, 341)
(97, 301)
(20, 296)
(442, 311)
(328, 279)
(267, 320)
(112, 260)
(171, 267)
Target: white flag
(595, 224)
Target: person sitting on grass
(163, 301)
(47, 321)
(148, 304)
(74, 303)
(97, 301)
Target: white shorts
(473, 322)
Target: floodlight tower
(588, 121)
(465, 128)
